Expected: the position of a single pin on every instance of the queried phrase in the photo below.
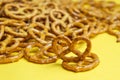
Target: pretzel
(116, 33)
(19, 11)
(57, 14)
(13, 56)
(49, 5)
(40, 33)
(61, 46)
(8, 44)
(76, 29)
(17, 28)
(42, 19)
(38, 56)
(102, 27)
(4, 43)
(82, 66)
(87, 50)
(58, 27)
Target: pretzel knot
(38, 53)
(19, 11)
(40, 33)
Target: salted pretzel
(58, 27)
(37, 56)
(17, 28)
(8, 44)
(57, 14)
(42, 19)
(61, 46)
(4, 43)
(48, 6)
(76, 29)
(82, 66)
(40, 33)
(86, 61)
(13, 56)
(19, 11)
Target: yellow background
(103, 45)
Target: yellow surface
(103, 45)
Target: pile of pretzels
(43, 31)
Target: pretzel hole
(58, 15)
(3, 38)
(48, 38)
(62, 43)
(60, 28)
(39, 28)
(72, 63)
(81, 45)
(12, 8)
(28, 11)
(41, 20)
(19, 14)
(11, 43)
(34, 50)
(50, 6)
(13, 54)
(71, 54)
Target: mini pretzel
(57, 14)
(17, 28)
(38, 56)
(117, 33)
(4, 43)
(87, 50)
(40, 33)
(61, 48)
(100, 28)
(42, 19)
(49, 6)
(19, 11)
(84, 65)
(13, 56)
(78, 29)
(8, 44)
(58, 27)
